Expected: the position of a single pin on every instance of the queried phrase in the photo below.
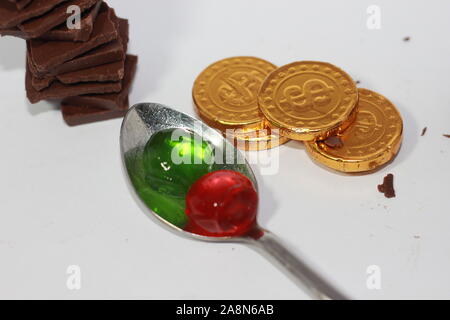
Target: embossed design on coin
(239, 89)
(314, 97)
(308, 100)
(225, 94)
(371, 141)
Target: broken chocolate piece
(38, 26)
(110, 52)
(10, 17)
(45, 23)
(41, 84)
(62, 33)
(14, 32)
(88, 63)
(111, 100)
(424, 130)
(334, 142)
(388, 186)
(92, 108)
(76, 115)
(105, 54)
(45, 55)
(20, 4)
(105, 72)
(58, 90)
(446, 135)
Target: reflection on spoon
(198, 185)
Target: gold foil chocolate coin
(308, 100)
(226, 93)
(257, 140)
(371, 141)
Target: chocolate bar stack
(87, 67)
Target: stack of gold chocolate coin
(260, 106)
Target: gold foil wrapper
(226, 93)
(370, 142)
(308, 100)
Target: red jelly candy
(222, 203)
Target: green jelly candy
(174, 159)
(171, 209)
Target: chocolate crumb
(446, 135)
(388, 186)
(358, 82)
(424, 131)
(406, 39)
(334, 142)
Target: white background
(63, 195)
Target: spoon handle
(299, 271)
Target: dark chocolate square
(92, 108)
(11, 17)
(113, 71)
(38, 26)
(45, 55)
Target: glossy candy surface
(174, 159)
(169, 208)
(222, 203)
(163, 172)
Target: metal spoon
(145, 119)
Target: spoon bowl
(145, 119)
